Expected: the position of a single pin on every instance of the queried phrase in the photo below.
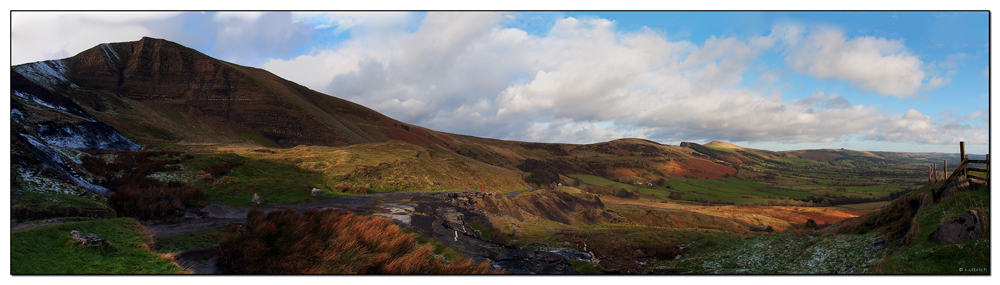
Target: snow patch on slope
(48, 74)
(109, 52)
(16, 115)
(62, 109)
(85, 136)
(56, 160)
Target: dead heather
(330, 242)
(135, 194)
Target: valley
(170, 153)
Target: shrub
(330, 242)
(133, 193)
(215, 171)
(347, 188)
(811, 224)
(542, 172)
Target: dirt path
(515, 193)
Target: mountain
(154, 94)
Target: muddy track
(515, 193)
(436, 215)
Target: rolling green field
(850, 179)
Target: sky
(907, 81)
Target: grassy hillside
(870, 244)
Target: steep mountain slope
(160, 95)
(186, 87)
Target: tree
(811, 224)
(825, 203)
(675, 196)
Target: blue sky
(886, 81)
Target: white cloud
(49, 35)
(224, 17)
(915, 127)
(466, 73)
(455, 74)
(346, 21)
(869, 63)
(37, 36)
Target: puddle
(397, 212)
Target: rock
(965, 227)
(257, 200)
(86, 238)
(16, 192)
(318, 192)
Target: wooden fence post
(935, 173)
(961, 146)
(965, 171)
(963, 158)
(945, 167)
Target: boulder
(257, 200)
(318, 192)
(965, 227)
(86, 238)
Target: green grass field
(39, 205)
(925, 257)
(50, 250)
(189, 241)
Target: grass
(189, 241)
(925, 257)
(35, 205)
(277, 181)
(50, 250)
(860, 249)
(761, 254)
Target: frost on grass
(109, 157)
(70, 153)
(762, 254)
(35, 182)
(175, 176)
(56, 160)
(839, 254)
(49, 74)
